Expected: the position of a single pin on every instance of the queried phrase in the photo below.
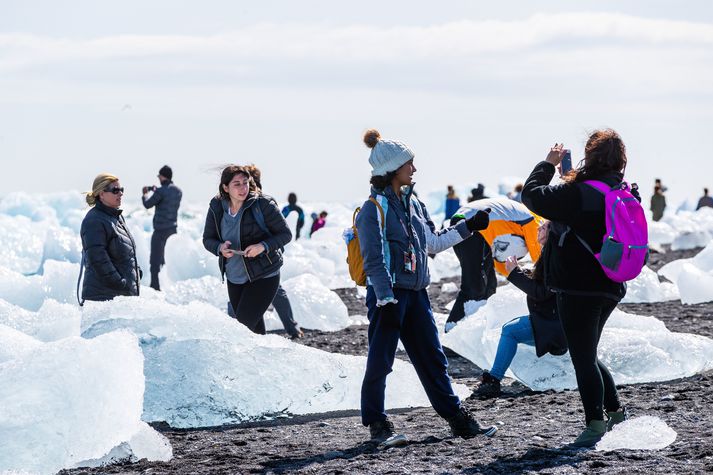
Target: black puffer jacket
(545, 321)
(277, 236)
(579, 208)
(166, 199)
(109, 255)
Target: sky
(477, 90)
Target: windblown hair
(101, 183)
(227, 176)
(255, 173)
(604, 153)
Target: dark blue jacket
(274, 237)
(109, 255)
(408, 226)
(166, 199)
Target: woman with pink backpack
(587, 259)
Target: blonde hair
(101, 183)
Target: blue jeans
(517, 330)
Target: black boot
(489, 387)
(381, 430)
(464, 425)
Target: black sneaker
(381, 430)
(297, 336)
(489, 386)
(464, 425)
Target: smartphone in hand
(566, 164)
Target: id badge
(410, 262)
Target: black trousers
(583, 319)
(251, 299)
(477, 274)
(284, 310)
(158, 250)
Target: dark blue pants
(420, 338)
(158, 248)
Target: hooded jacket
(109, 255)
(408, 229)
(276, 236)
(572, 208)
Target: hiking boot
(591, 435)
(616, 417)
(298, 335)
(464, 425)
(381, 430)
(489, 386)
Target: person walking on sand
(586, 297)
(167, 200)
(396, 266)
(245, 229)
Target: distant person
(477, 193)
(516, 194)
(167, 199)
(658, 203)
(281, 302)
(293, 206)
(657, 182)
(452, 202)
(245, 229)
(512, 232)
(318, 222)
(705, 201)
(398, 307)
(586, 297)
(541, 328)
(108, 248)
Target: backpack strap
(381, 211)
(260, 218)
(80, 299)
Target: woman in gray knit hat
(396, 265)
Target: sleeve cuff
(264, 244)
(381, 303)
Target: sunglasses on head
(116, 190)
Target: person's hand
(254, 250)
(389, 316)
(225, 250)
(478, 221)
(556, 154)
(510, 264)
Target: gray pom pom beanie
(388, 156)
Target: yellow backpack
(355, 261)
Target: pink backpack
(625, 248)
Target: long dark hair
(380, 182)
(604, 153)
(227, 176)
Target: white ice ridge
(638, 433)
(70, 401)
(203, 368)
(635, 348)
(693, 276)
(646, 287)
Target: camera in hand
(148, 188)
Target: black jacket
(251, 233)
(109, 255)
(572, 208)
(166, 199)
(545, 321)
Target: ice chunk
(691, 240)
(647, 288)
(445, 264)
(696, 286)
(203, 368)
(635, 348)
(53, 321)
(314, 305)
(449, 288)
(661, 232)
(145, 444)
(68, 401)
(58, 282)
(638, 433)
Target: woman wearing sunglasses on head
(109, 250)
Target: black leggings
(583, 320)
(251, 299)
